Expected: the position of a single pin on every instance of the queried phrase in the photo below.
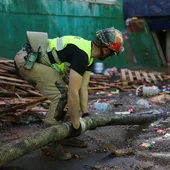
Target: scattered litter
(111, 71)
(143, 103)
(146, 145)
(167, 135)
(165, 88)
(160, 99)
(147, 90)
(122, 113)
(115, 92)
(131, 110)
(161, 131)
(150, 91)
(101, 92)
(103, 106)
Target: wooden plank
(12, 94)
(3, 71)
(99, 75)
(153, 78)
(6, 74)
(8, 68)
(16, 101)
(17, 84)
(99, 83)
(97, 88)
(14, 108)
(160, 51)
(10, 64)
(100, 80)
(6, 61)
(19, 90)
(13, 79)
(105, 84)
(21, 112)
(159, 76)
(130, 76)
(2, 89)
(123, 75)
(121, 88)
(145, 75)
(33, 92)
(138, 76)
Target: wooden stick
(6, 61)
(35, 93)
(17, 84)
(13, 94)
(8, 68)
(15, 101)
(4, 112)
(13, 79)
(96, 88)
(8, 74)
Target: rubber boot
(57, 151)
(74, 142)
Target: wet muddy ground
(145, 147)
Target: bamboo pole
(14, 108)
(15, 150)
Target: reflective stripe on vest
(60, 43)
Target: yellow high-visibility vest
(60, 43)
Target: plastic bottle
(103, 106)
(150, 91)
(98, 67)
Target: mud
(102, 142)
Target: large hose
(15, 150)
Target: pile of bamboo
(17, 96)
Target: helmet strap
(100, 45)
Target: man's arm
(75, 81)
(84, 92)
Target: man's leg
(45, 79)
(49, 82)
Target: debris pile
(126, 80)
(17, 96)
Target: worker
(45, 63)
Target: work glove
(74, 132)
(85, 114)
